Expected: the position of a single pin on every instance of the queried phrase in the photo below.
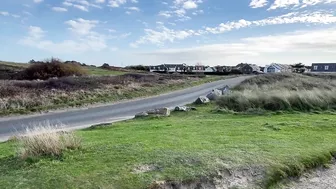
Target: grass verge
(182, 147)
(22, 97)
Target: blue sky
(211, 32)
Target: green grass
(184, 146)
(103, 72)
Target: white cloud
(116, 3)
(164, 34)
(180, 9)
(59, 9)
(136, 9)
(81, 4)
(289, 48)
(81, 26)
(298, 3)
(86, 40)
(4, 13)
(258, 3)
(166, 14)
(38, 1)
(159, 37)
(81, 7)
(100, 1)
(284, 4)
(189, 5)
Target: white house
(277, 68)
(210, 70)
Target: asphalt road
(81, 118)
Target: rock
(224, 90)
(193, 108)
(159, 111)
(202, 100)
(141, 114)
(182, 108)
(164, 111)
(215, 94)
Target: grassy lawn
(184, 146)
(103, 72)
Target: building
(248, 68)
(169, 68)
(323, 67)
(277, 68)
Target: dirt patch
(145, 168)
(249, 177)
(321, 178)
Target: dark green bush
(52, 68)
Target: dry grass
(286, 92)
(46, 140)
(26, 96)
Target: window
(326, 67)
(315, 67)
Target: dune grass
(286, 92)
(182, 147)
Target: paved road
(81, 118)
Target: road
(81, 118)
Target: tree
(298, 68)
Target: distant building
(277, 68)
(248, 68)
(323, 67)
(169, 68)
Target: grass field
(91, 70)
(182, 148)
(22, 97)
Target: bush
(52, 68)
(46, 141)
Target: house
(277, 68)
(210, 70)
(248, 68)
(323, 67)
(169, 68)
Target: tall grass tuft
(284, 92)
(46, 141)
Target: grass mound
(283, 92)
(284, 100)
(47, 141)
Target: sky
(152, 32)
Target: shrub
(52, 68)
(47, 141)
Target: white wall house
(277, 68)
(210, 70)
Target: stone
(214, 95)
(141, 114)
(182, 108)
(159, 111)
(202, 100)
(225, 89)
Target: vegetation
(45, 140)
(288, 92)
(50, 69)
(17, 97)
(181, 148)
(12, 70)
